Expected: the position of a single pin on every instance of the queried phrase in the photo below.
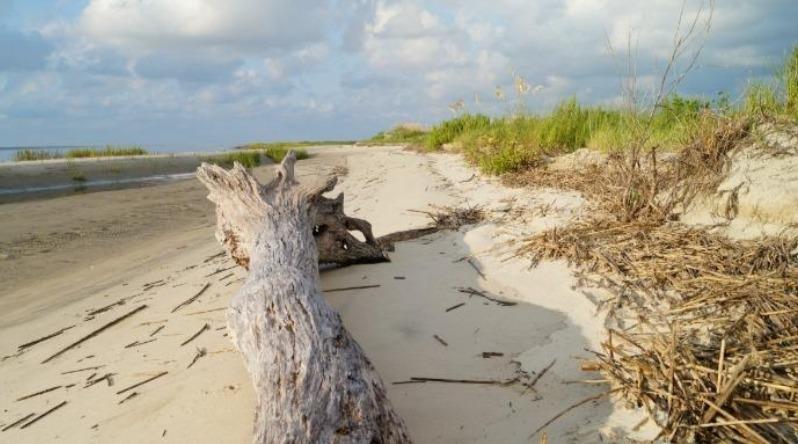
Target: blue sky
(210, 73)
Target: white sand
(395, 323)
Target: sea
(7, 152)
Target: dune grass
(286, 145)
(276, 154)
(108, 151)
(248, 159)
(30, 154)
(400, 134)
(504, 144)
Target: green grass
(398, 135)
(29, 154)
(289, 144)
(449, 130)
(276, 154)
(248, 159)
(108, 151)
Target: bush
(449, 130)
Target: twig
(106, 308)
(220, 270)
(17, 422)
(418, 379)
(201, 330)
(206, 311)
(36, 419)
(578, 404)
(439, 339)
(95, 333)
(200, 353)
(138, 384)
(137, 343)
(361, 287)
(42, 339)
(542, 372)
(474, 266)
(108, 377)
(192, 298)
(157, 330)
(474, 292)
(454, 307)
(487, 355)
(83, 369)
(129, 397)
(48, 390)
(210, 258)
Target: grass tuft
(108, 151)
(30, 154)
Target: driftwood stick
(474, 292)
(359, 287)
(419, 379)
(312, 381)
(83, 369)
(542, 372)
(41, 392)
(474, 266)
(94, 333)
(578, 404)
(195, 335)
(17, 422)
(139, 384)
(36, 419)
(192, 298)
(128, 397)
(42, 339)
(200, 353)
(454, 307)
(157, 330)
(439, 339)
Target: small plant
(401, 134)
(108, 151)
(448, 131)
(277, 154)
(248, 159)
(31, 154)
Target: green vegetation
(288, 145)
(29, 154)
(499, 145)
(248, 159)
(276, 154)
(401, 134)
(108, 151)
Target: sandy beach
(72, 265)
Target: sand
(154, 246)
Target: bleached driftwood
(312, 381)
(237, 226)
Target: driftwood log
(237, 226)
(313, 382)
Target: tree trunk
(313, 382)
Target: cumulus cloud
(304, 68)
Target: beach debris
(150, 285)
(155, 332)
(38, 418)
(41, 392)
(128, 398)
(488, 355)
(94, 333)
(455, 307)
(542, 372)
(43, 338)
(220, 270)
(421, 380)
(192, 298)
(399, 278)
(137, 343)
(210, 258)
(108, 378)
(106, 308)
(139, 384)
(200, 353)
(212, 310)
(195, 335)
(474, 266)
(83, 369)
(439, 339)
(473, 292)
(571, 407)
(360, 287)
(265, 324)
(17, 422)
(228, 275)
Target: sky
(216, 73)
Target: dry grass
(704, 330)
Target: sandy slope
(395, 322)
